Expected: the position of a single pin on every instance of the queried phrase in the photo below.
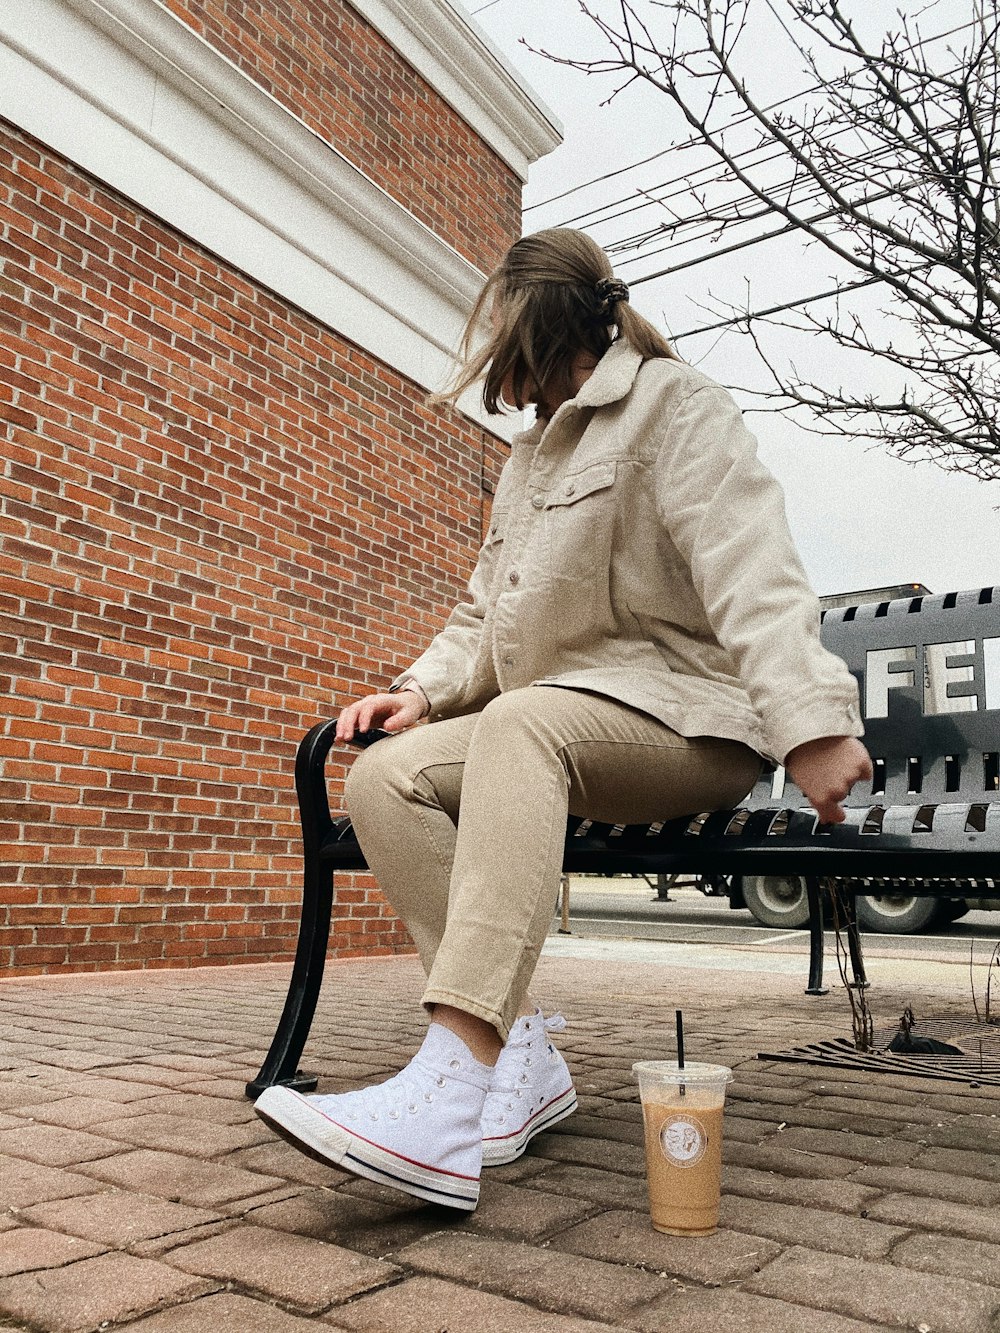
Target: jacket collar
(612, 379)
(613, 376)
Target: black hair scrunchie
(609, 291)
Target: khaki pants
(463, 823)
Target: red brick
(877, 1292)
(305, 1273)
(95, 1291)
(29, 1249)
(193, 586)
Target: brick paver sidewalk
(138, 1189)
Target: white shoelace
(513, 1090)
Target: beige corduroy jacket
(639, 549)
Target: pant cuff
(471, 1006)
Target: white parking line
(662, 953)
(682, 925)
(645, 921)
(747, 934)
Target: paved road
(606, 915)
(693, 940)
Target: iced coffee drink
(682, 1112)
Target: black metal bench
(929, 671)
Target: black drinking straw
(680, 1046)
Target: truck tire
(950, 909)
(896, 913)
(777, 900)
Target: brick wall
(322, 60)
(218, 523)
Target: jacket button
(514, 576)
(570, 490)
(538, 501)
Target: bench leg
(815, 897)
(281, 1063)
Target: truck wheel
(895, 913)
(777, 900)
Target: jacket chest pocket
(581, 521)
(498, 527)
(579, 485)
(491, 555)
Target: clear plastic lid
(694, 1074)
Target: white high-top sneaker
(420, 1132)
(530, 1090)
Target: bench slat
(771, 841)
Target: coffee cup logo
(683, 1139)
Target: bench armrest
(310, 778)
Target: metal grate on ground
(978, 1065)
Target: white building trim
(453, 54)
(133, 96)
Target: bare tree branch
(888, 162)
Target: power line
(695, 140)
(674, 148)
(685, 183)
(706, 257)
(634, 205)
(711, 223)
(638, 238)
(686, 231)
(778, 309)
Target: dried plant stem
(972, 982)
(862, 1024)
(994, 962)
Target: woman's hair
(553, 297)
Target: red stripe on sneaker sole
(438, 1170)
(502, 1138)
(295, 1118)
(500, 1151)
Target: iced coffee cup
(682, 1114)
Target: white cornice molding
(130, 94)
(453, 54)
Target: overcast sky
(861, 518)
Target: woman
(638, 633)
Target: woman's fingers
(366, 713)
(830, 811)
(356, 717)
(826, 770)
(394, 712)
(345, 723)
(353, 719)
(408, 709)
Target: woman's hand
(392, 712)
(825, 770)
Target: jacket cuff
(813, 719)
(410, 683)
